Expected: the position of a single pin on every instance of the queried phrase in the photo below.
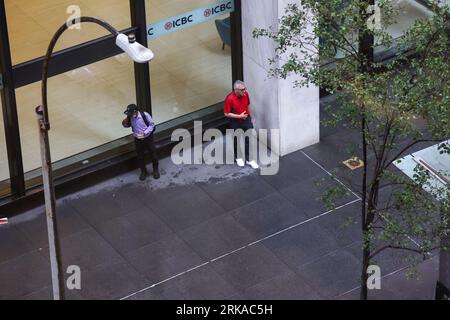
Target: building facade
(201, 47)
(198, 55)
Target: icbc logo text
(173, 24)
(218, 9)
(182, 21)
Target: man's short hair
(238, 83)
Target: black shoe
(156, 174)
(143, 176)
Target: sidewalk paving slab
(207, 232)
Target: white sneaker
(240, 162)
(253, 164)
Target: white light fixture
(135, 50)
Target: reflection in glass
(85, 106)
(191, 70)
(32, 23)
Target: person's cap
(131, 109)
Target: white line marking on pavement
(383, 277)
(164, 281)
(360, 199)
(330, 174)
(240, 249)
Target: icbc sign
(217, 10)
(174, 24)
(190, 19)
(182, 21)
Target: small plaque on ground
(354, 163)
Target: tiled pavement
(207, 233)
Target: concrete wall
(276, 104)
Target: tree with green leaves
(333, 44)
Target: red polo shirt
(236, 105)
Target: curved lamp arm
(43, 108)
(135, 51)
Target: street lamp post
(138, 54)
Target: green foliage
(385, 104)
(418, 86)
(331, 194)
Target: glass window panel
(32, 23)
(4, 169)
(190, 70)
(86, 108)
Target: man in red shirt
(237, 109)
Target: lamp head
(137, 52)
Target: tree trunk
(366, 50)
(444, 269)
(366, 245)
(371, 208)
(364, 274)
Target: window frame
(75, 57)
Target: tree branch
(406, 148)
(378, 251)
